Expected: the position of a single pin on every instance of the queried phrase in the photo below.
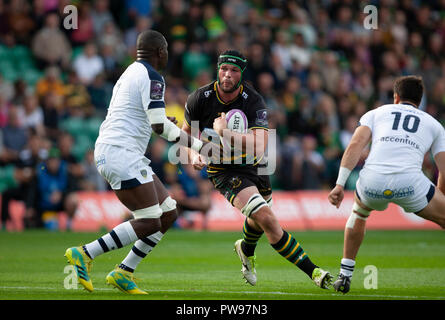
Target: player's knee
(152, 212)
(169, 204)
(264, 217)
(169, 211)
(357, 213)
(254, 204)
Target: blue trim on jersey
(152, 73)
(156, 104)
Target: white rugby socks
(119, 237)
(140, 249)
(347, 267)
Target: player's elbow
(158, 128)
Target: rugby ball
(236, 121)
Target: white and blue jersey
(138, 89)
(401, 136)
(126, 130)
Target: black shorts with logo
(230, 181)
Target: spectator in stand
(20, 90)
(54, 188)
(75, 168)
(50, 45)
(101, 15)
(192, 192)
(32, 115)
(4, 107)
(131, 34)
(51, 83)
(20, 20)
(85, 26)
(14, 137)
(76, 95)
(112, 38)
(4, 18)
(11, 178)
(92, 180)
(25, 190)
(6, 88)
(88, 64)
(311, 164)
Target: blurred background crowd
(314, 63)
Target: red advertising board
(299, 210)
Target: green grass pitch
(189, 265)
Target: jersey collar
(409, 104)
(220, 100)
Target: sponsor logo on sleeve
(156, 90)
(261, 118)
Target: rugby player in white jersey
(401, 135)
(136, 109)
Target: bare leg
(353, 237)
(434, 211)
(145, 245)
(263, 219)
(283, 242)
(141, 197)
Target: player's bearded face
(229, 77)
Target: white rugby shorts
(122, 168)
(411, 191)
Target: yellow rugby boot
(82, 264)
(124, 281)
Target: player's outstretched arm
(169, 131)
(360, 139)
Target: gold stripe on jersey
(264, 128)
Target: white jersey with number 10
(401, 136)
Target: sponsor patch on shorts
(100, 160)
(389, 193)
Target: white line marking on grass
(248, 292)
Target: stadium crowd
(316, 65)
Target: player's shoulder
(207, 90)
(143, 68)
(204, 92)
(412, 110)
(248, 92)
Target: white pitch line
(248, 292)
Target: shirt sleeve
(367, 120)
(257, 115)
(191, 106)
(439, 142)
(152, 91)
